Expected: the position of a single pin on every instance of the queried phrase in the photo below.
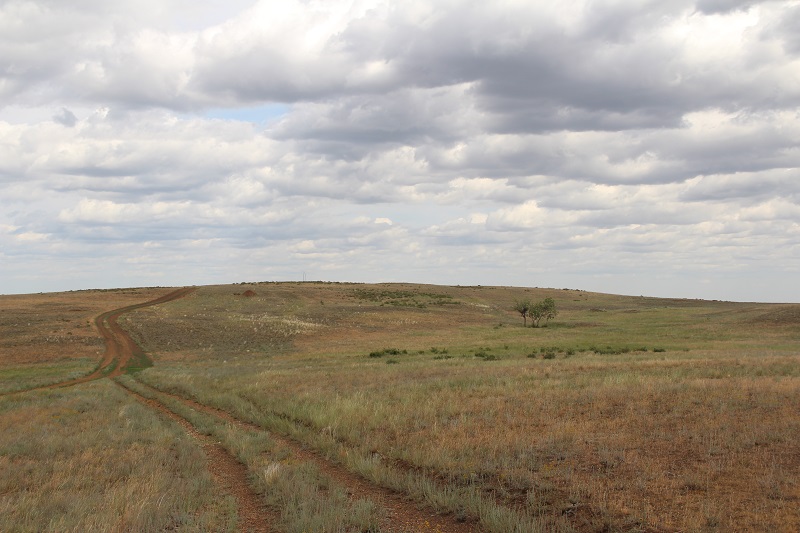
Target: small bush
(610, 350)
(484, 354)
(387, 351)
(659, 350)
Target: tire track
(120, 355)
(403, 515)
(120, 348)
(226, 469)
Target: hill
(623, 414)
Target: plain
(622, 414)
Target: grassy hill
(622, 414)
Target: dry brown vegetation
(624, 414)
(89, 458)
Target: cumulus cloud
(458, 141)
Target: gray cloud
(604, 145)
(66, 118)
(723, 6)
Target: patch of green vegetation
(485, 354)
(617, 350)
(403, 298)
(387, 351)
(21, 377)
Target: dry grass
(89, 458)
(625, 414)
(31, 375)
(306, 499)
(697, 435)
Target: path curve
(122, 354)
(121, 350)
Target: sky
(634, 147)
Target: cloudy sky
(627, 146)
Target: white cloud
(614, 141)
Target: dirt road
(121, 353)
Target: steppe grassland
(623, 412)
(91, 458)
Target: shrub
(546, 309)
(387, 351)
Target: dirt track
(227, 471)
(121, 350)
(402, 515)
(123, 354)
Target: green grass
(27, 376)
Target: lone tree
(546, 309)
(523, 307)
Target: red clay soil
(227, 471)
(402, 514)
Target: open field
(623, 414)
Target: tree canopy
(543, 310)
